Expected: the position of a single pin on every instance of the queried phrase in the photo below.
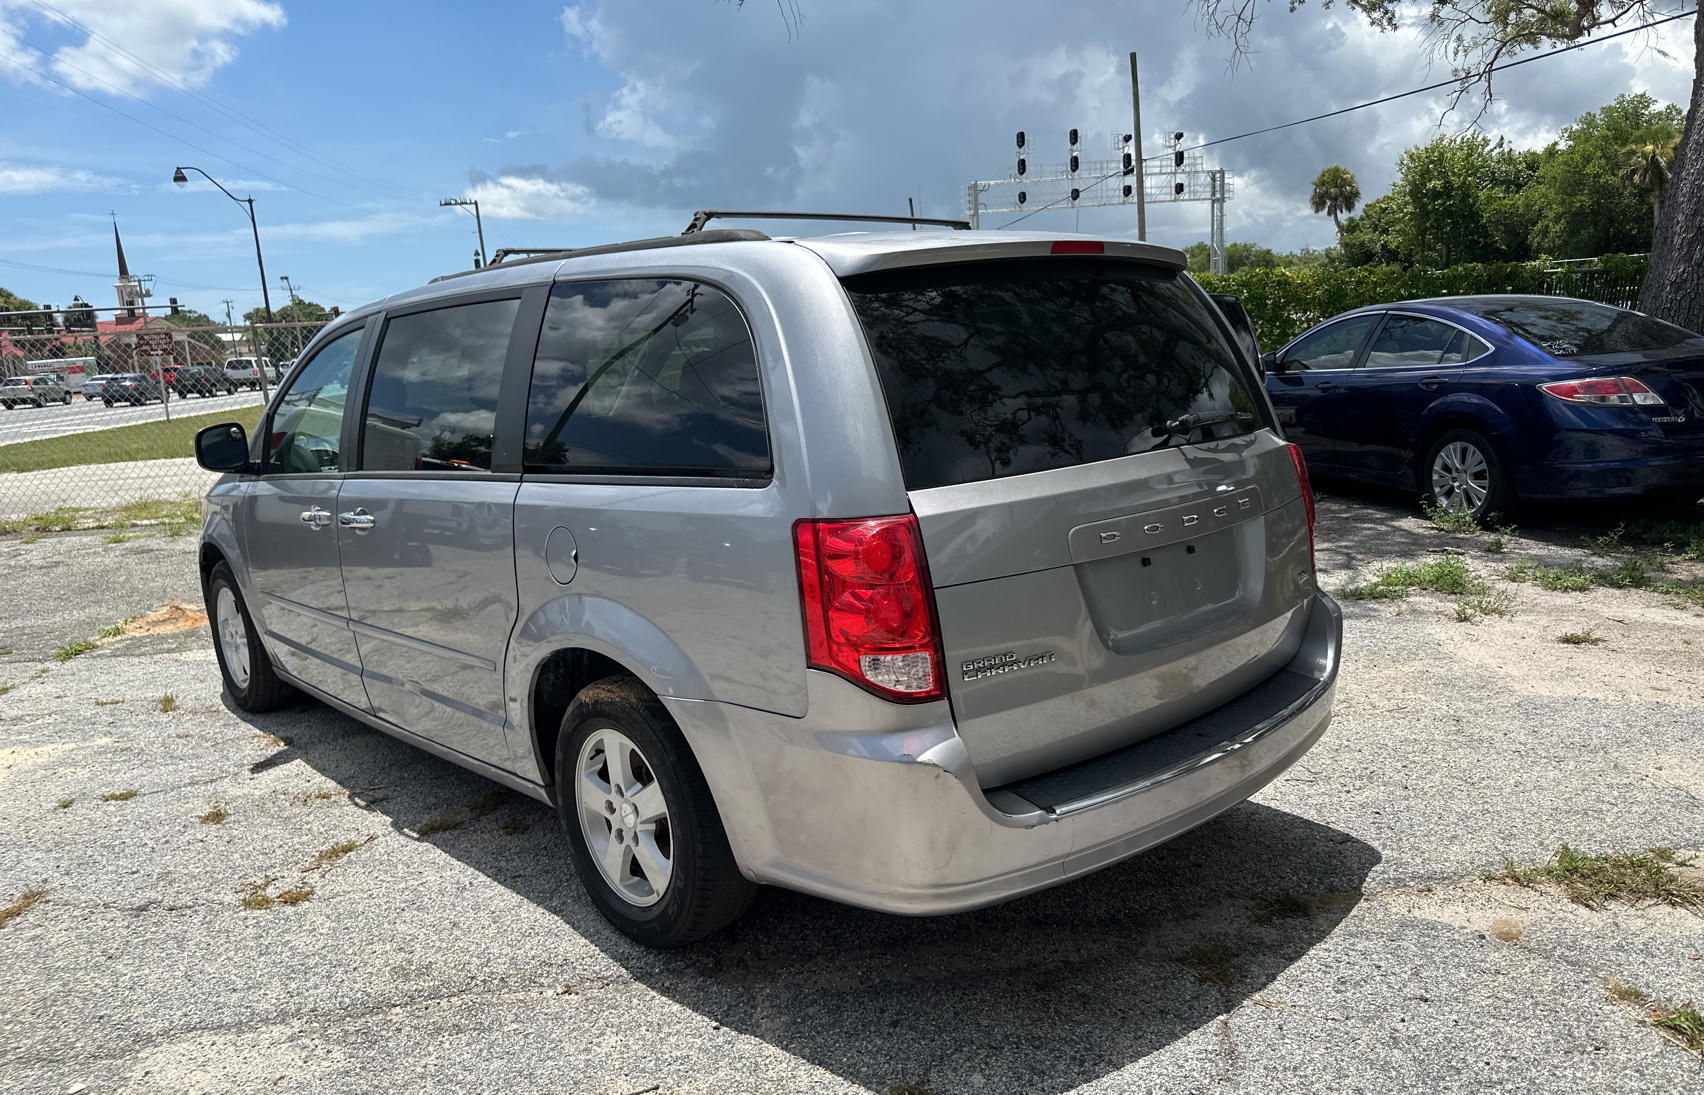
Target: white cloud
(48, 180)
(513, 197)
(629, 117)
(575, 23)
(135, 47)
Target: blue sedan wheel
(1465, 474)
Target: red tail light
(869, 609)
(1604, 391)
(1078, 247)
(1307, 497)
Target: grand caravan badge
(1009, 662)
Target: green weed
(72, 650)
(1588, 637)
(1593, 879)
(64, 804)
(1447, 520)
(1485, 602)
(1681, 1025)
(106, 703)
(22, 905)
(5, 650)
(1448, 574)
(119, 796)
(117, 538)
(327, 857)
(1493, 545)
(215, 816)
(166, 703)
(1677, 537)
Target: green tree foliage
(1462, 195)
(1238, 256)
(12, 302)
(297, 311)
(199, 322)
(1579, 205)
(1336, 193)
(79, 317)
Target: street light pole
(477, 223)
(181, 179)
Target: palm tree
(1334, 192)
(1647, 167)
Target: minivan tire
(259, 688)
(704, 890)
(1464, 472)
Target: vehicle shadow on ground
(1043, 994)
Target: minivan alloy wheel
(624, 817)
(1461, 477)
(233, 636)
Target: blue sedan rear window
(1570, 328)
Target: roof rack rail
(555, 254)
(705, 216)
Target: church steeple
(123, 269)
(133, 292)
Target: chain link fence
(100, 425)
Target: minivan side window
(645, 377)
(432, 405)
(308, 424)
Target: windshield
(1568, 328)
(1004, 368)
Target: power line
(1444, 83)
(195, 125)
(236, 116)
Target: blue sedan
(1479, 402)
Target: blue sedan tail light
(1604, 391)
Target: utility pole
(1136, 116)
(290, 289)
(477, 223)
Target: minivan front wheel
(1464, 473)
(243, 663)
(642, 828)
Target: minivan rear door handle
(316, 518)
(1432, 382)
(358, 519)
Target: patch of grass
(274, 740)
(1682, 538)
(1446, 521)
(1215, 965)
(215, 816)
(295, 895)
(1485, 602)
(1630, 573)
(1682, 1025)
(513, 826)
(1493, 545)
(5, 688)
(1686, 591)
(62, 519)
(25, 902)
(72, 650)
(1609, 543)
(28, 538)
(5, 650)
(117, 538)
(119, 796)
(111, 631)
(1448, 574)
(143, 441)
(106, 703)
(1594, 879)
(328, 857)
(1281, 906)
(166, 703)
(1588, 637)
(255, 895)
(64, 804)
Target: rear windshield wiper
(1184, 425)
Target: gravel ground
(469, 960)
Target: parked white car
(245, 371)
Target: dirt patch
(22, 756)
(166, 618)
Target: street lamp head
(180, 178)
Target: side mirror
(1269, 361)
(222, 448)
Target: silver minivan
(915, 570)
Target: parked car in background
(1479, 402)
(913, 570)
(1242, 325)
(37, 391)
(244, 372)
(92, 386)
(203, 380)
(132, 388)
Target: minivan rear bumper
(878, 805)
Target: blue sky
(588, 123)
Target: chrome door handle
(316, 517)
(358, 519)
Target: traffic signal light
(1022, 165)
(1177, 188)
(1127, 190)
(1129, 164)
(1020, 138)
(1022, 197)
(1074, 193)
(1073, 138)
(1177, 159)
(1128, 137)
(174, 305)
(1178, 137)
(1073, 162)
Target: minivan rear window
(1004, 368)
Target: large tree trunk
(1674, 286)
